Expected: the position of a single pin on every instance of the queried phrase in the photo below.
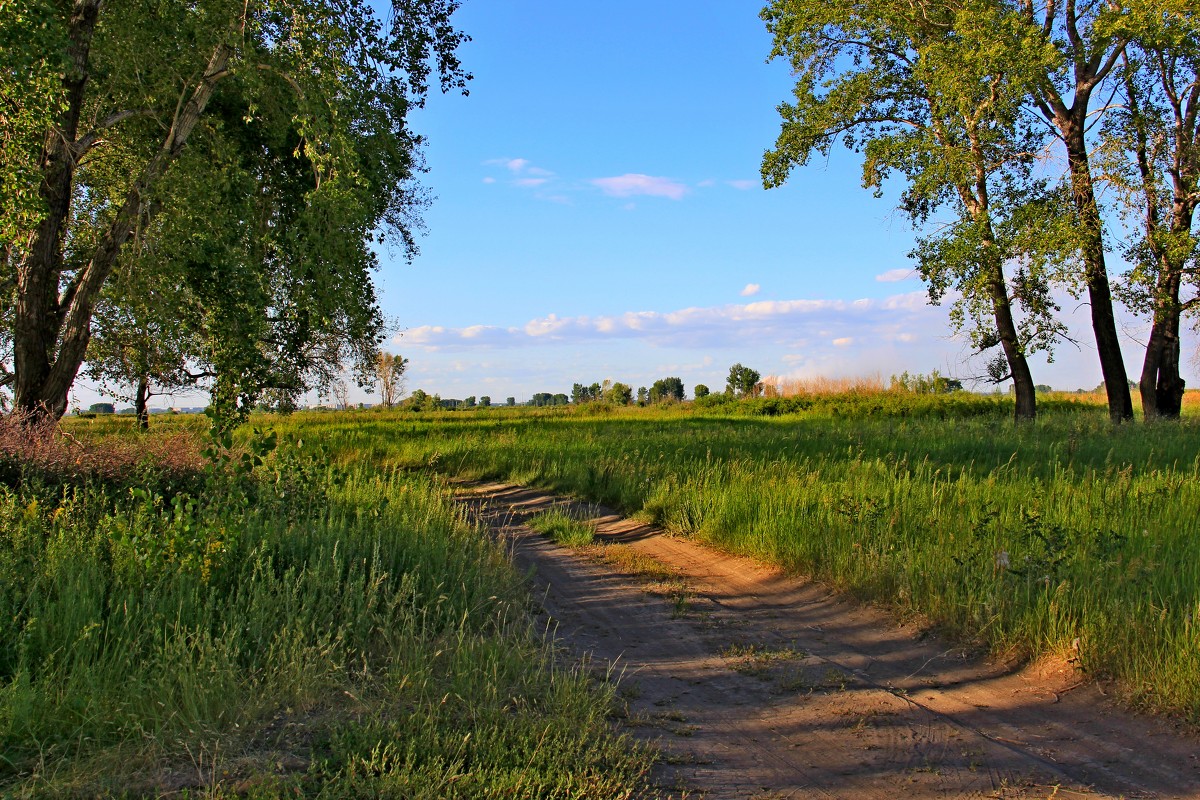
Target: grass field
(1064, 537)
(272, 627)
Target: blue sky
(599, 214)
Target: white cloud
(529, 182)
(516, 164)
(632, 183)
(545, 326)
(489, 179)
(750, 290)
(895, 275)
(742, 185)
(786, 323)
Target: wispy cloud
(511, 164)
(896, 275)
(634, 183)
(750, 290)
(742, 185)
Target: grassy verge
(1066, 536)
(278, 628)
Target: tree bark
(1161, 386)
(1104, 324)
(1018, 365)
(37, 313)
(141, 403)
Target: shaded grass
(1066, 536)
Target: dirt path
(756, 684)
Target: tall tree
(934, 91)
(389, 377)
(1091, 38)
(298, 115)
(1152, 156)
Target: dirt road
(760, 685)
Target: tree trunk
(1161, 386)
(1018, 366)
(1010, 340)
(1104, 325)
(141, 400)
(37, 314)
(50, 334)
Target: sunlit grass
(1065, 536)
(563, 529)
(309, 631)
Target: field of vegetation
(1067, 536)
(244, 619)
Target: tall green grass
(1067, 536)
(293, 629)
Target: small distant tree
(560, 400)
(742, 381)
(643, 395)
(485, 401)
(512, 401)
(620, 394)
(469, 402)
(420, 401)
(389, 376)
(700, 391)
(102, 408)
(666, 390)
(340, 392)
(933, 383)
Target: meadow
(1066, 537)
(246, 619)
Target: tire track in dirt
(767, 685)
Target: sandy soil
(756, 684)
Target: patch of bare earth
(756, 684)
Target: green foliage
(700, 391)
(547, 399)
(935, 94)
(620, 394)
(933, 383)
(233, 163)
(742, 382)
(666, 390)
